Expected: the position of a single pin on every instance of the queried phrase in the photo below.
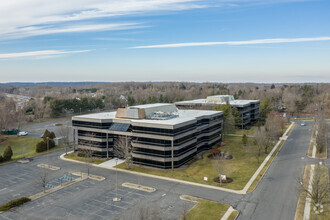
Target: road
(23, 100)
(277, 194)
(38, 129)
(275, 197)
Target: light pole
(116, 199)
(48, 152)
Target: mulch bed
(216, 157)
(228, 180)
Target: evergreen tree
(7, 154)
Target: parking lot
(88, 199)
(38, 129)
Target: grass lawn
(233, 215)
(302, 197)
(322, 155)
(19, 145)
(326, 206)
(83, 159)
(240, 168)
(206, 209)
(249, 131)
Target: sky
(262, 41)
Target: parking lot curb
(157, 177)
(240, 192)
(50, 191)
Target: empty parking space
(91, 199)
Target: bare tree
(320, 192)
(218, 165)
(321, 137)
(20, 117)
(260, 141)
(65, 134)
(88, 158)
(123, 149)
(43, 179)
(39, 109)
(7, 113)
(229, 124)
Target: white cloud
(247, 42)
(24, 18)
(39, 54)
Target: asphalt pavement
(38, 129)
(275, 197)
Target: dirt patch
(228, 180)
(3, 139)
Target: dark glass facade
(155, 149)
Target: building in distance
(249, 109)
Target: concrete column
(107, 145)
(74, 139)
(172, 154)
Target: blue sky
(165, 40)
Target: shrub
(41, 147)
(81, 154)
(1, 159)
(14, 203)
(51, 144)
(52, 135)
(47, 137)
(7, 154)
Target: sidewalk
(242, 191)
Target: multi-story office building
(158, 135)
(249, 109)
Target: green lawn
(240, 168)
(206, 209)
(233, 215)
(249, 131)
(20, 145)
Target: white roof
(232, 102)
(146, 106)
(183, 116)
(101, 115)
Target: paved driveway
(274, 198)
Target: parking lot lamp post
(116, 199)
(48, 151)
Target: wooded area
(61, 100)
